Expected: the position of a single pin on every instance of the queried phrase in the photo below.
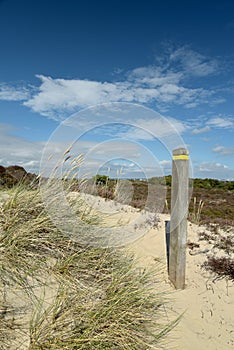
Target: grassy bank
(57, 294)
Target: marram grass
(99, 298)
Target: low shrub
(222, 267)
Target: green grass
(99, 298)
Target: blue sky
(162, 66)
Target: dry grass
(118, 312)
(100, 299)
(195, 214)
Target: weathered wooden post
(178, 224)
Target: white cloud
(206, 139)
(166, 164)
(17, 151)
(154, 76)
(210, 166)
(223, 151)
(218, 149)
(201, 131)
(11, 93)
(65, 95)
(193, 63)
(214, 170)
(129, 122)
(163, 84)
(117, 148)
(221, 122)
(155, 128)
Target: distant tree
(168, 180)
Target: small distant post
(179, 211)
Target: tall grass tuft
(119, 310)
(74, 297)
(28, 237)
(195, 214)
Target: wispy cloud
(167, 83)
(16, 150)
(11, 93)
(206, 139)
(166, 165)
(154, 128)
(117, 149)
(126, 121)
(203, 124)
(96, 155)
(223, 151)
(221, 122)
(194, 63)
(65, 95)
(201, 131)
(214, 170)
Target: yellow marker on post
(181, 157)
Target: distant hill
(11, 175)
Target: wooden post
(179, 210)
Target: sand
(207, 303)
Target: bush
(222, 267)
(101, 179)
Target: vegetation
(195, 214)
(212, 200)
(213, 184)
(197, 183)
(57, 294)
(101, 179)
(213, 205)
(32, 249)
(222, 267)
(217, 208)
(12, 175)
(222, 242)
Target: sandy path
(207, 303)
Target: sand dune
(207, 302)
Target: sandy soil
(207, 303)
